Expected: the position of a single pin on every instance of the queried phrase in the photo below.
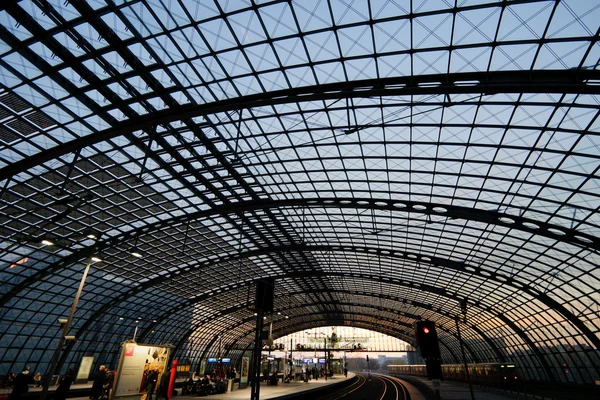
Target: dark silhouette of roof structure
(383, 161)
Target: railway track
(371, 387)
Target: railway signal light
(434, 368)
(427, 340)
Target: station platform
(279, 391)
(419, 388)
(458, 391)
(282, 390)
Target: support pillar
(256, 356)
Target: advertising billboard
(136, 362)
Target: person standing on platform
(20, 384)
(151, 379)
(163, 387)
(98, 385)
(8, 380)
(108, 383)
(37, 379)
(64, 385)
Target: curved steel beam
(374, 277)
(542, 81)
(420, 258)
(248, 305)
(351, 203)
(289, 326)
(528, 225)
(409, 334)
(359, 324)
(535, 350)
(304, 325)
(440, 291)
(417, 304)
(208, 347)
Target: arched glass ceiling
(385, 161)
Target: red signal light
(425, 330)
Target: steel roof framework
(384, 161)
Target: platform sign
(436, 383)
(84, 368)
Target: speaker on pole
(265, 291)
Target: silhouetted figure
(20, 384)
(151, 379)
(273, 378)
(98, 385)
(109, 381)
(205, 386)
(163, 388)
(64, 385)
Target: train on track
(480, 372)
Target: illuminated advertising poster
(136, 362)
(84, 368)
(244, 371)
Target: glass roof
(384, 161)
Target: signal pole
(462, 349)
(256, 357)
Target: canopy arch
(351, 152)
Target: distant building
(382, 361)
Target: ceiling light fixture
(135, 250)
(136, 253)
(21, 261)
